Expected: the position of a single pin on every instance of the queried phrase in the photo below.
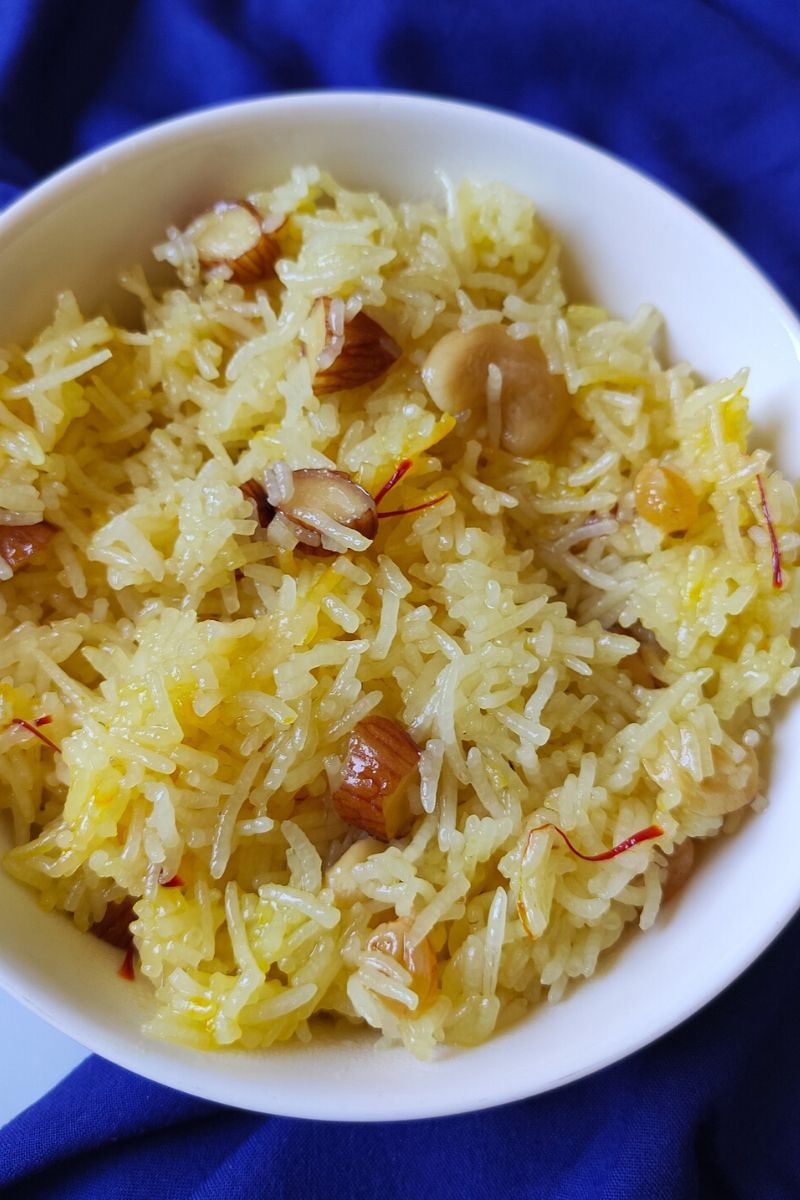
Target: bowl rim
(103, 156)
(161, 1062)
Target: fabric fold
(708, 1111)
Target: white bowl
(633, 242)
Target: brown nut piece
(534, 403)
(231, 234)
(345, 354)
(333, 494)
(641, 665)
(664, 498)
(381, 758)
(255, 492)
(115, 924)
(419, 960)
(18, 543)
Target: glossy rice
(203, 678)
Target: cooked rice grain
(203, 677)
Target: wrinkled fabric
(706, 98)
(707, 1113)
(703, 95)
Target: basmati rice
(203, 674)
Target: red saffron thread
(402, 469)
(45, 720)
(126, 970)
(36, 732)
(643, 835)
(401, 512)
(777, 573)
(175, 881)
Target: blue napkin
(707, 1113)
(706, 97)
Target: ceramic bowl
(627, 241)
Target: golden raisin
(419, 960)
(664, 498)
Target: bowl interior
(628, 242)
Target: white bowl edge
(721, 313)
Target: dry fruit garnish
(345, 353)
(417, 957)
(664, 498)
(18, 543)
(372, 795)
(232, 235)
(319, 495)
(485, 370)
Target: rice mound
(203, 681)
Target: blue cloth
(708, 1113)
(706, 97)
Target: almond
(332, 494)
(18, 543)
(381, 758)
(345, 354)
(640, 665)
(254, 491)
(485, 371)
(115, 925)
(232, 235)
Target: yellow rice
(203, 681)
